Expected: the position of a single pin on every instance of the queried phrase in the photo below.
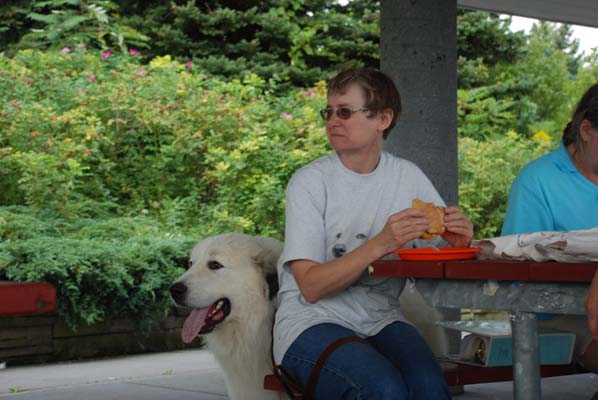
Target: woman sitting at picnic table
(344, 211)
(559, 192)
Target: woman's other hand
(459, 228)
(401, 228)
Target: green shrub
(120, 267)
(486, 170)
(82, 134)
(108, 166)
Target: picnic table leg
(526, 356)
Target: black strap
(315, 372)
(293, 387)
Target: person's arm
(591, 304)
(317, 281)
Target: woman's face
(358, 133)
(589, 134)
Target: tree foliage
(288, 43)
(71, 23)
(483, 41)
(291, 42)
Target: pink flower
(134, 52)
(286, 116)
(141, 72)
(92, 78)
(106, 54)
(65, 50)
(189, 64)
(309, 93)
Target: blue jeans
(398, 365)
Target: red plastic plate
(438, 254)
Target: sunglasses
(341, 112)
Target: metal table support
(526, 356)
(522, 300)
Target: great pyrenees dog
(231, 288)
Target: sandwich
(434, 214)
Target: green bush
(108, 167)
(85, 136)
(120, 267)
(486, 170)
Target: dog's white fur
(242, 342)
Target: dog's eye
(214, 265)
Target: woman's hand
(459, 228)
(591, 304)
(401, 228)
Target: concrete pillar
(418, 49)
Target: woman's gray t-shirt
(331, 210)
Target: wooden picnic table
(522, 288)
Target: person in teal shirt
(551, 194)
(559, 192)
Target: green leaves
(482, 115)
(486, 170)
(292, 43)
(202, 155)
(118, 267)
(73, 23)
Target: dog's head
(231, 275)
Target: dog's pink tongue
(193, 324)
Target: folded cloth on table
(562, 246)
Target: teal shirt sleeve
(527, 208)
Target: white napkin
(562, 246)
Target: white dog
(227, 285)
(231, 286)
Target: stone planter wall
(46, 338)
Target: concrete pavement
(180, 375)
(194, 375)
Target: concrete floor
(194, 375)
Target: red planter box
(27, 298)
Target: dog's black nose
(177, 291)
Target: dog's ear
(266, 261)
(267, 257)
